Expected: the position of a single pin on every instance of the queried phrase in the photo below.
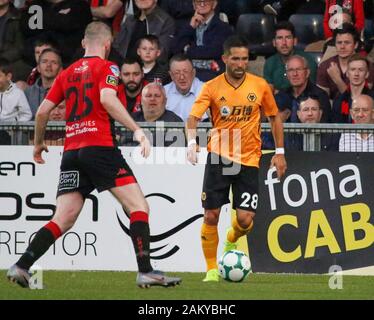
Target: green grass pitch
(121, 285)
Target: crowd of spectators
(166, 50)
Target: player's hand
(279, 162)
(145, 146)
(192, 151)
(37, 153)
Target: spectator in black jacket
(149, 51)
(148, 19)
(154, 110)
(201, 40)
(63, 20)
(11, 40)
(298, 72)
(181, 11)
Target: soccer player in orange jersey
(236, 100)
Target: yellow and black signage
(319, 215)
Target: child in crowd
(149, 50)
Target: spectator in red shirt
(333, 15)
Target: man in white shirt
(185, 87)
(362, 113)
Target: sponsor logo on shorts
(68, 180)
(121, 172)
(112, 80)
(203, 196)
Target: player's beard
(237, 73)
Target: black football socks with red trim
(139, 233)
(43, 239)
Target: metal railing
(21, 133)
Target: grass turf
(121, 285)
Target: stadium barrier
(312, 134)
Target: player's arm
(111, 103)
(193, 148)
(198, 109)
(41, 120)
(278, 160)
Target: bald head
(153, 101)
(97, 32)
(362, 109)
(97, 40)
(363, 100)
(154, 87)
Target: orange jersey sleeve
(202, 102)
(268, 103)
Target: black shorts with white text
(90, 168)
(221, 174)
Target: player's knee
(211, 217)
(66, 220)
(245, 221)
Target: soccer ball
(234, 266)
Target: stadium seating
(317, 56)
(308, 28)
(235, 8)
(259, 30)
(369, 30)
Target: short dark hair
(311, 96)
(5, 66)
(132, 60)
(45, 40)
(151, 38)
(284, 25)
(52, 50)
(235, 41)
(347, 28)
(179, 57)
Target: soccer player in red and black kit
(91, 158)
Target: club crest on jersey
(82, 68)
(225, 111)
(252, 97)
(114, 69)
(112, 80)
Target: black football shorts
(218, 179)
(90, 168)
